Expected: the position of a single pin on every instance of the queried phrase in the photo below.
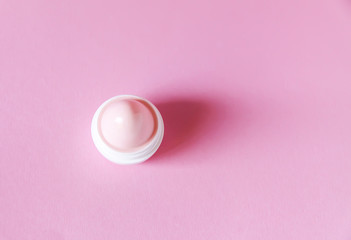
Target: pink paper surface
(257, 107)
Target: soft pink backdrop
(257, 107)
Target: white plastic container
(134, 156)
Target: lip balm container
(127, 129)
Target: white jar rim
(120, 157)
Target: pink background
(257, 107)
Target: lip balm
(127, 129)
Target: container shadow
(185, 122)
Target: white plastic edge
(130, 157)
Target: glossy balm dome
(127, 129)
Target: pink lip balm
(127, 129)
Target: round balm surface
(127, 124)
